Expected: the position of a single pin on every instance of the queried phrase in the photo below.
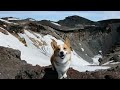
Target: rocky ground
(112, 55)
(47, 73)
(12, 67)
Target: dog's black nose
(62, 53)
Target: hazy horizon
(59, 15)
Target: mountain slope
(34, 42)
(12, 67)
(109, 21)
(36, 49)
(72, 21)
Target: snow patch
(115, 63)
(82, 49)
(31, 19)
(5, 21)
(86, 54)
(107, 62)
(95, 59)
(89, 68)
(110, 62)
(4, 25)
(100, 51)
(2, 28)
(56, 23)
(41, 56)
(30, 54)
(13, 19)
(81, 65)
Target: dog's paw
(60, 76)
(65, 76)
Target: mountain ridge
(33, 39)
(58, 20)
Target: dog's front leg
(65, 75)
(60, 75)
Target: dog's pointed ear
(67, 42)
(53, 44)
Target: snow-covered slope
(12, 18)
(39, 50)
(2, 28)
(6, 21)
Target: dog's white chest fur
(62, 65)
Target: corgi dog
(61, 58)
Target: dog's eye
(64, 48)
(58, 49)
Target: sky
(59, 15)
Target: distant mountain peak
(30, 19)
(10, 18)
(74, 16)
(72, 21)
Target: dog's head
(63, 49)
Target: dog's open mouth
(62, 56)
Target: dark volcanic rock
(16, 29)
(10, 62)
(35, 27)
(109, 21)
(116, 58)
(30, 72)
(37, 72)
(12, 67)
